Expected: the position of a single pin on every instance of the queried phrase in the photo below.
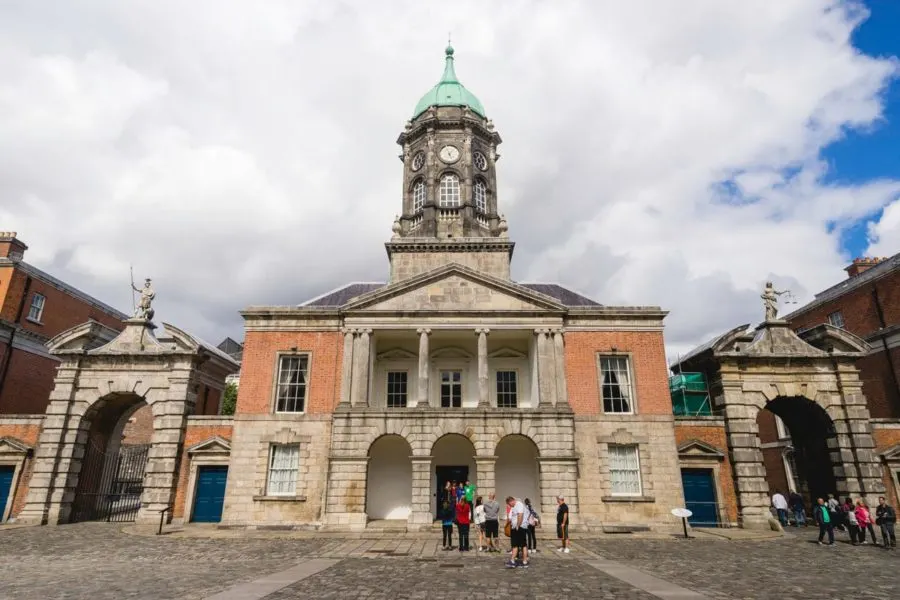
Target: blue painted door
(210, 494)
(700, 497)
(6, 476)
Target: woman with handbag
(534, 521)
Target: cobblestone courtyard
(100, 561)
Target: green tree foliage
(229, 399)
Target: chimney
(11, 247)
(861, 265)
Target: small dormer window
(418, 196)
(480, 193)
(449, 191)
(36, 311)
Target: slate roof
(345, 293)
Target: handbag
(507, 529)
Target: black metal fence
(110, 484)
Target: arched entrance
(111, 478)
(517, 470)
(389, 478)
(453, 459)
(812, 457)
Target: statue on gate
(144, 309)
(770, 298)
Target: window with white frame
(37, 307)
(615, 384)
(292, 383)
(283, 464)
(397, 389)
(449, 191)
(837, 319)
(451, 389)
(418, 196)
(507, 389)
(624, 470)
(480, 193)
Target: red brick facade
(261, 351)
(25, 430)
(648, 363)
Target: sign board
(681, 513)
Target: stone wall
(246, 501)
(660, 473)
(408, 264)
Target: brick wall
(648, 364)
(26, 430)
(29, 381)
(713, 435)
(255, 394)
(139, 428)
(884, 440)
(195, 433)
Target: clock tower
(449, 207)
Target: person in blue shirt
(447, 516)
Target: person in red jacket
(463, 519)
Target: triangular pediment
(81, 338)
(213, 445)
(11, 445)
(892, 453)
(507, 353)
(397, 354)
(451, 352)
(699, 449)
(454, 287)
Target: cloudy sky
(655, 152)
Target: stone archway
(517, 470)
(110, 476)
(452, 459)
(389, 479)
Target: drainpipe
(12, 336)
(887, 351)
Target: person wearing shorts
(492, 522)
(518, 519)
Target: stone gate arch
(811, 380)
(103, 377)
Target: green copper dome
(449, 91)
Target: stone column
(483, 377)
(347, 367)
(57, 457)
(559, 476)
(424, 366)
(360, 387)
(559, 355)
(421, 514)
(345, 502)
(747, 461)
(857, 469)
(163, 459)
(544, 352)
(487, 475)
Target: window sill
(279, 498)
(628, 498)
(35, 321)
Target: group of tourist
(522, 520)
(857, 518)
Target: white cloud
(656, 152)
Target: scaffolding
(690, 395)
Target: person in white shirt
(518, 519)
(781, 507)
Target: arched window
(418, 196)
(449, 190)
(480, 193)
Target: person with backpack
(534, 520)
(823, 519)
(886, 517)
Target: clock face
(480, 161)
(417, 161)
(449, 154)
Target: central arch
(517, 469)
(111, 474)
(812, 462)
(389, 479)
(452, 459)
